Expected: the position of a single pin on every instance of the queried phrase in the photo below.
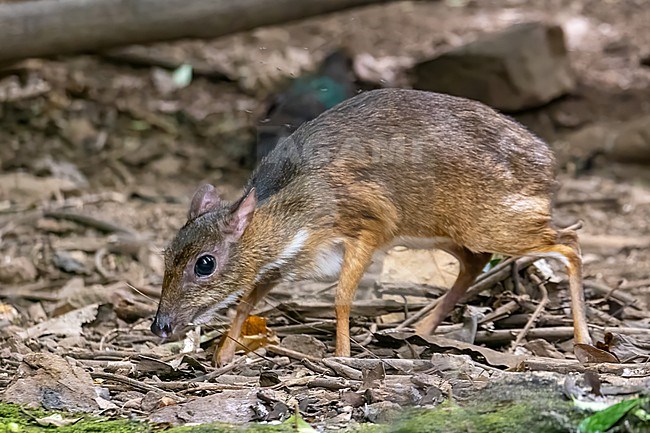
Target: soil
(101, 137)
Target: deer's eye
(205, 265)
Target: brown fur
(385, 164)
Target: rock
(72, 262)
(15, 270)
(627, 142)
(49, 381)
(305, 344)
(522, 67)
(381, 412)
(631, 142)
(153, 400)
(231, 406)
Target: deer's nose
(162, 325)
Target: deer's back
(436, 164)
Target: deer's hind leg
(542, 240)
(470, 266)
(567, 250)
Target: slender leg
(226, 351)
(568, 251)
(471, 265)
(357, 256)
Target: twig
(626, 330)
(609, 320)
(333, 383)
(316, 368)
(406, 365)
(635, 284)
(515, 278)
(278, 350)
(220, 371)
(364, 307)
(137, 56)
(609, 292)
(125, 380)
(104, 226)
(212, 387)
(99, 257)
(108, 365)
(409, 289)
(502, 336)
(32, 291)
(536, 313)
(141, 292)
(321, 326)
(565, 366)
(502, 311)
(108, 354)
(545, 320)
(343, 370)
(108, 337)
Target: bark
(46, 27)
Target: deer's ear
(205, 199)
(242, 214)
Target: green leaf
(182, 76)
(300, 424)
(642, 415)
(607, 418)
(495, 260)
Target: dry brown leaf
(492, 357)
(588, 354)
(68, 325)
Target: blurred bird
(306, 98)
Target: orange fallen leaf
(254, 334)
(254, 325)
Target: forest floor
(100, 156)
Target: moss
(531, 410)
(216, 428)
(447, 418)
(486, 418)
(13, 419)
(515, 405)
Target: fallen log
(45, 28)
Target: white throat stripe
(288, 253)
